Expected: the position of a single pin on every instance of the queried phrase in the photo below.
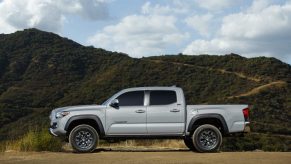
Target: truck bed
(232, 114)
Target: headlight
(62, 114)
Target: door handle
(175, 110)
(140, 111)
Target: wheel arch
(211, 118)
(91, 120)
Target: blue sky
(148, 27)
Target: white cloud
(46, 14)
(215, 5)
(140, 35)
(6, 28)
(209, 5)
(90, 9)
(271, 22)
(200, 23)
(260, 30)
(259, 5)
(149, 8)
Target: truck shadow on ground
(138, 150)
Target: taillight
(246, 114)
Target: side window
(162, 97)
(134, 98)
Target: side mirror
(114, 103)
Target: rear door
(130, 117)
(164, 114)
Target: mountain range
(40, 71)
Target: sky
(143, 28)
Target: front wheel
(207, 138)
(84, 138)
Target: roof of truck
(153, 88)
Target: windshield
(105, 102)
(110, 99)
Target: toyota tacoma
(149, 112)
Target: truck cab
(146, 111)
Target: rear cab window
(162, 97)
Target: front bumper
(56, 129)
(247, 128)
(52, 132)
(53, 129)
(57, 132)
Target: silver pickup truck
(149, 112)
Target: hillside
(41, 70)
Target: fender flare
(86, 117)
(209, 115)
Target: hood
(75, 108)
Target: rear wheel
(84, 138)
(207, 138)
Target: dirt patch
(141, 156)
(275, 84)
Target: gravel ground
(146, 157)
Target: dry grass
(41, 140)
(34, 140)
(147, 143)
(139, 144)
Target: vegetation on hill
(40, 71)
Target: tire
(207, 138)
(84, 138)
(189, 143)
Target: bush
(34, 140)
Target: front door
(130, 117)
(164, 114)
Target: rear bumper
(247, 128)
